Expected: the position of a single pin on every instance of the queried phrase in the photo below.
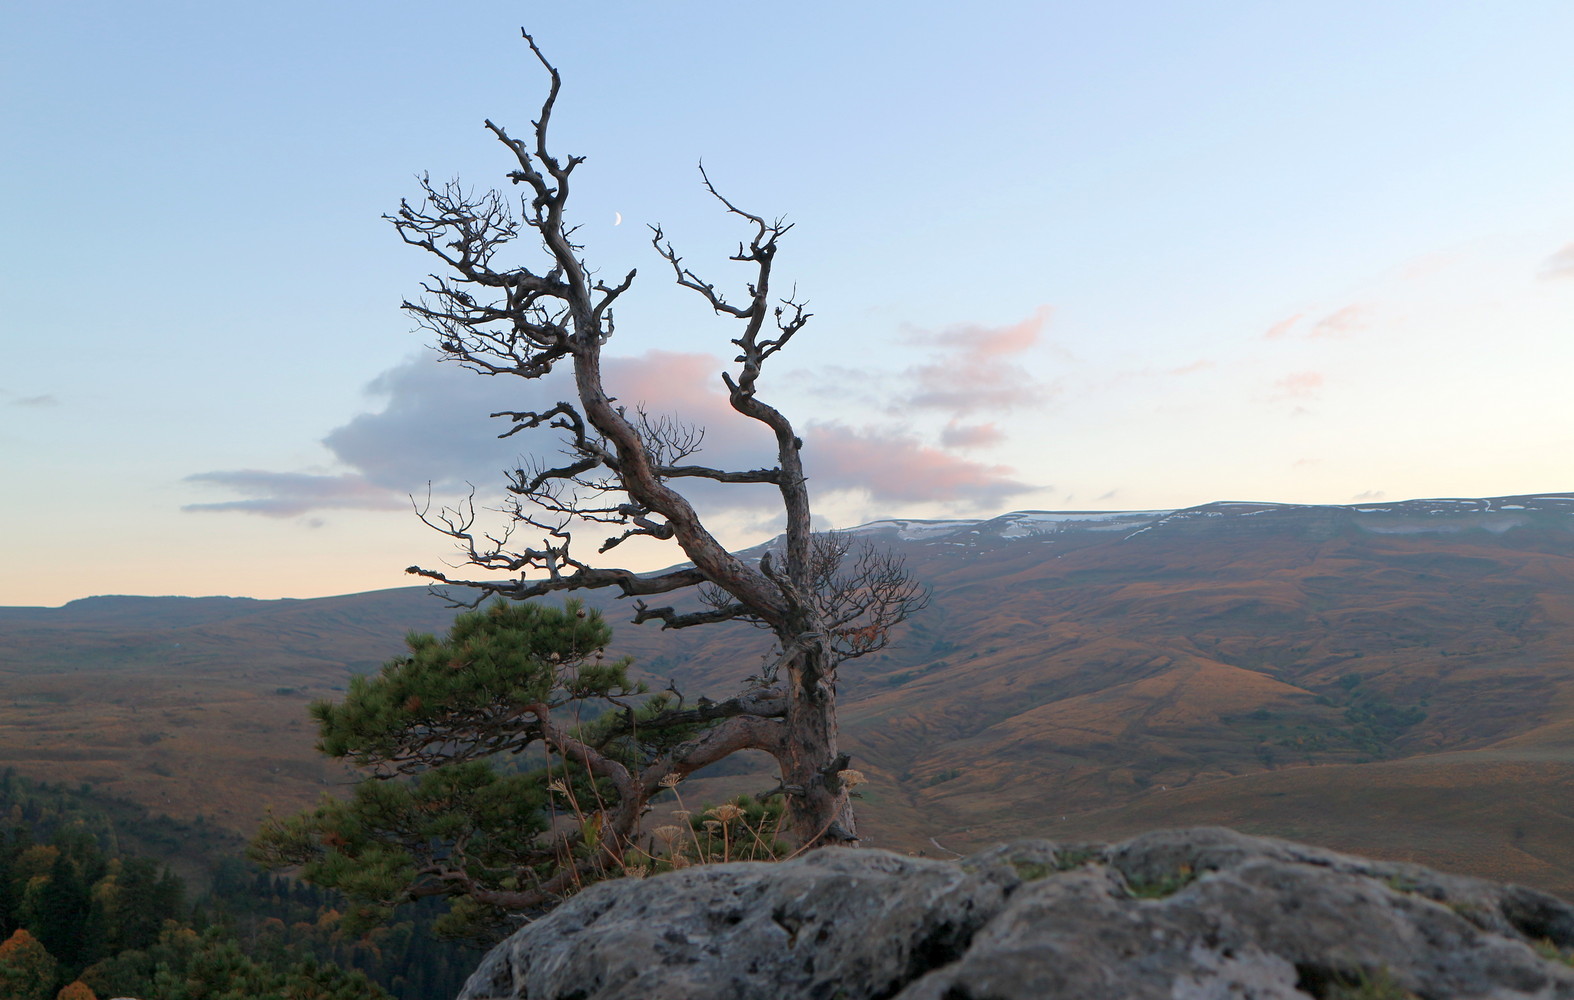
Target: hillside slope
(1395, 679)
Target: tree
(822, 598)
(62, 912)
(27, 969)
(493, 688)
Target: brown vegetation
(1120, 684)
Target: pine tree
(464, 827)
(62, 911)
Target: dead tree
(823, 599)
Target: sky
(1059, 255)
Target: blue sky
(1060, 255)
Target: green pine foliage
(284, 921)
(186, 965)
(462, 797)
(465, 688)
(74, 912)
(75, 903)
(61, 912)
(370, 847)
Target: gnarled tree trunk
(625, 471)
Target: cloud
(972, 373)
(290, 494)
(433, 427)
(1368, 495)
(45, 399)
(1341, 323)
(1298, 385)
(435, 424)
(957, 435)
(894, 467)
(1121, 380)
(1559, 265)
(839, 384)
(1282, 328)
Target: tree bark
(818, 810)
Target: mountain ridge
(1506, 512)
(1509, 511)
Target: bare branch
(863, 600)
(764, 704)
(772, 476)
(670, 618)
(622, 473)
(628, 583)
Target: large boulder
(1175, 914)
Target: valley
(1396, 680)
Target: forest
(82, 918)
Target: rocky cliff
(1204, 913)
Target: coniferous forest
(83, 916)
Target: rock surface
(1179, 914)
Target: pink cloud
(987, 341)
(1012, 339)
(1298, 385)
(1342, 322)
(1339, 323)
(972, 374)
(1179, 371)
(896, 467)
(688, 385)
(667, 380)
(890, 466)
(433, 428)
(1559, 265)
(958, 435)
(1281, 328)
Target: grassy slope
(1184, 681)
(191, 707)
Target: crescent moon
(617, 218)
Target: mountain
(1395, 679)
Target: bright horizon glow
(1066, 258)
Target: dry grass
(1120, 686)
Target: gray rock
(1180, 915)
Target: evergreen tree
(466, 827)
(11, 844)
(135, 914)
(62, 912)
(131, 904)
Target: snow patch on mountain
(1441, 514)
